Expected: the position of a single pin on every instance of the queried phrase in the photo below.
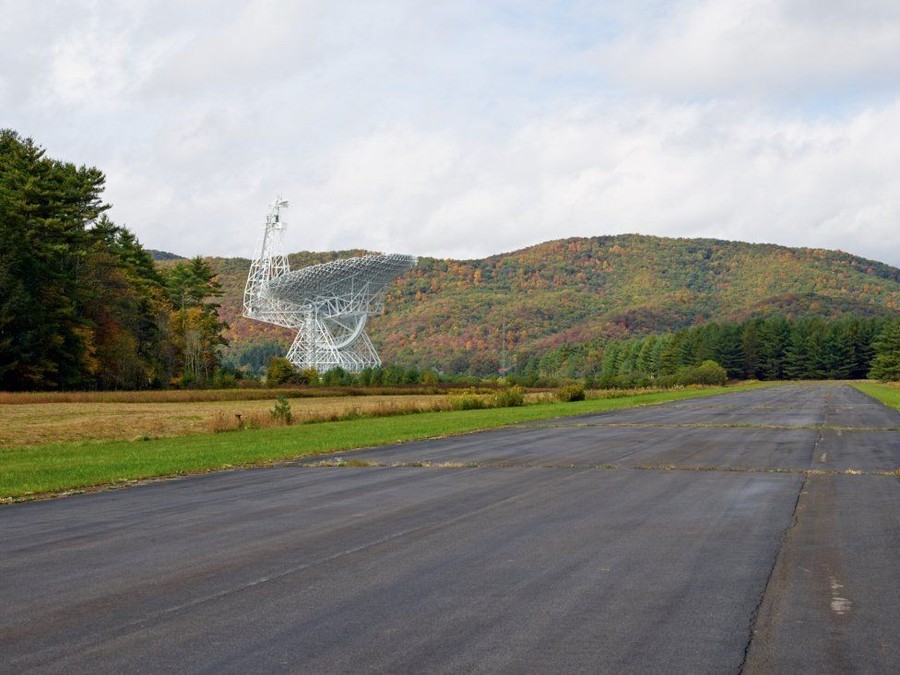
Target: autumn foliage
(552, 309)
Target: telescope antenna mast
(270, 262)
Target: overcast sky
(462, 128)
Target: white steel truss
(328, 304)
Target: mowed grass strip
(889, 394)
(64, 467)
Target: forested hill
(452, 314)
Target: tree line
(773, 348)
(83, 304)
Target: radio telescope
(327, 304)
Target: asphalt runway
(752, 532)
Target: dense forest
(84, 306)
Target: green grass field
(889, 394)
(29, 472)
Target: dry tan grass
(148, 396)
(201, 395)
(403, 405)
(26, 424)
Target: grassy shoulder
(889, 394)
(62, 467)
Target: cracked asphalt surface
(751, 532)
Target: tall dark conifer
(82, 304)
(44, 208)
(886, 364)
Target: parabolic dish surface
(338, 277)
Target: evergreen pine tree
(45, 206)
(886, 364)
(83, 305)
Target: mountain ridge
(454, 314)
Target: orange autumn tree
(195, 327)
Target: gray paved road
(718, 535)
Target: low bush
(280, 372)
(570, 392)
(227, 379)
(466, 400)
(708, 373)
(510, 397)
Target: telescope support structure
(327, 304)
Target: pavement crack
(706, 425)
(894, 473)
(341, 462)
(754, 615)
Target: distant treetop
(164, 255)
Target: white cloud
(725, 171)
(88, 73)
(251, 44)
(467, 128)
(761, 48)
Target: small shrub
(570, 392)
(336, 377)
(281, 413)
(309, 376)
(280, 371)
(226, 379)
(467, 400)
(708, 372)
(510, 397)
